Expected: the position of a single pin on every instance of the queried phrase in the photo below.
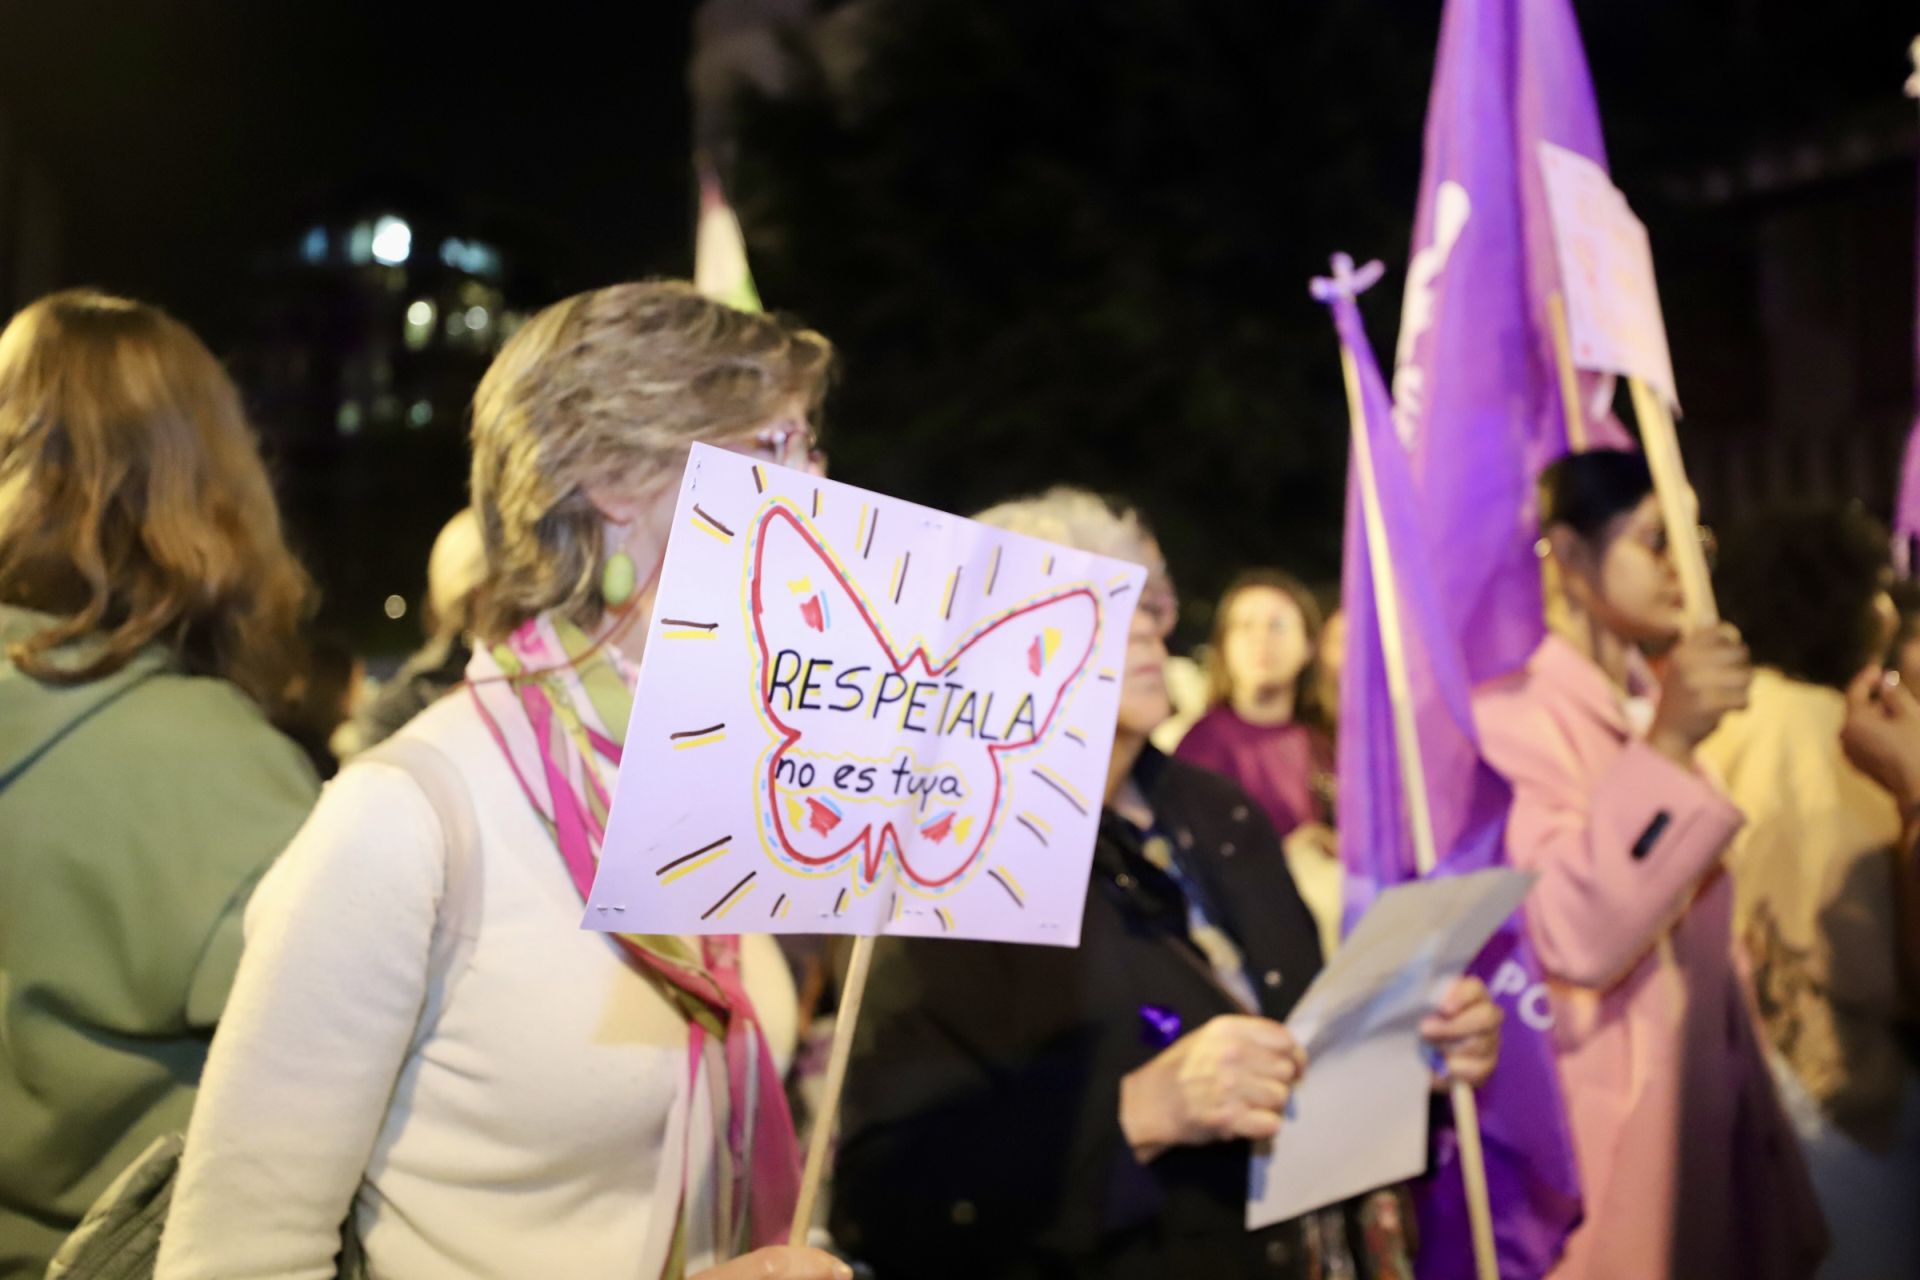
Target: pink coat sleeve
(1619, 853)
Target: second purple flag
(1475, 413)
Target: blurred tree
(1069, 241)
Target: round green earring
(617, 580)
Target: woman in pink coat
(1687, 1167)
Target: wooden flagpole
(1679, 505)
(1570, 406)
(1413, 778)
(851, 993)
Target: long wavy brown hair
(134, 507)
(1310, 706)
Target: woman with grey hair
(548, 1101)
(1026, 1112)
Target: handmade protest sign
(1606, 271)
(858, 715)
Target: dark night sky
(188, 134)
(188, 137)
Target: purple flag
(1477, 404)
(1476, 394)
(1476, 413)
(1531, 1177)
(1906, 505)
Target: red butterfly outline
(874, 852)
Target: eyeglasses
(786, 443)
(1654, 541)
(1160, 604)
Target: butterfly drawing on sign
(881, 756)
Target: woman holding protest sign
(1687, 1168)
(422, 1040)
(1022, 1111)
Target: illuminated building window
(470, 256)
(360, 244)
(392, 241)
(419, 327)
(350, 418)
(314, 247)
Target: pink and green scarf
(558, 707)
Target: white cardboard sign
(858, 715)
(1614, 321)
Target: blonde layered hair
(610, 388)
(134, 507)
(1075, 517)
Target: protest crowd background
(1467, 496)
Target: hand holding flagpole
(1346, 284)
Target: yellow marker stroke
(685, 743)
(1008, 877)
(689, 868)
(684, 634)
(735, 901)
(708, 529)
(1061, 782)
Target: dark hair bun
(1587, 491)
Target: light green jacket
(136, 812)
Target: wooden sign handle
(1679, 505)
(851, 993)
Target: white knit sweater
(522, 1138)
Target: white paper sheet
(1358, 1119)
